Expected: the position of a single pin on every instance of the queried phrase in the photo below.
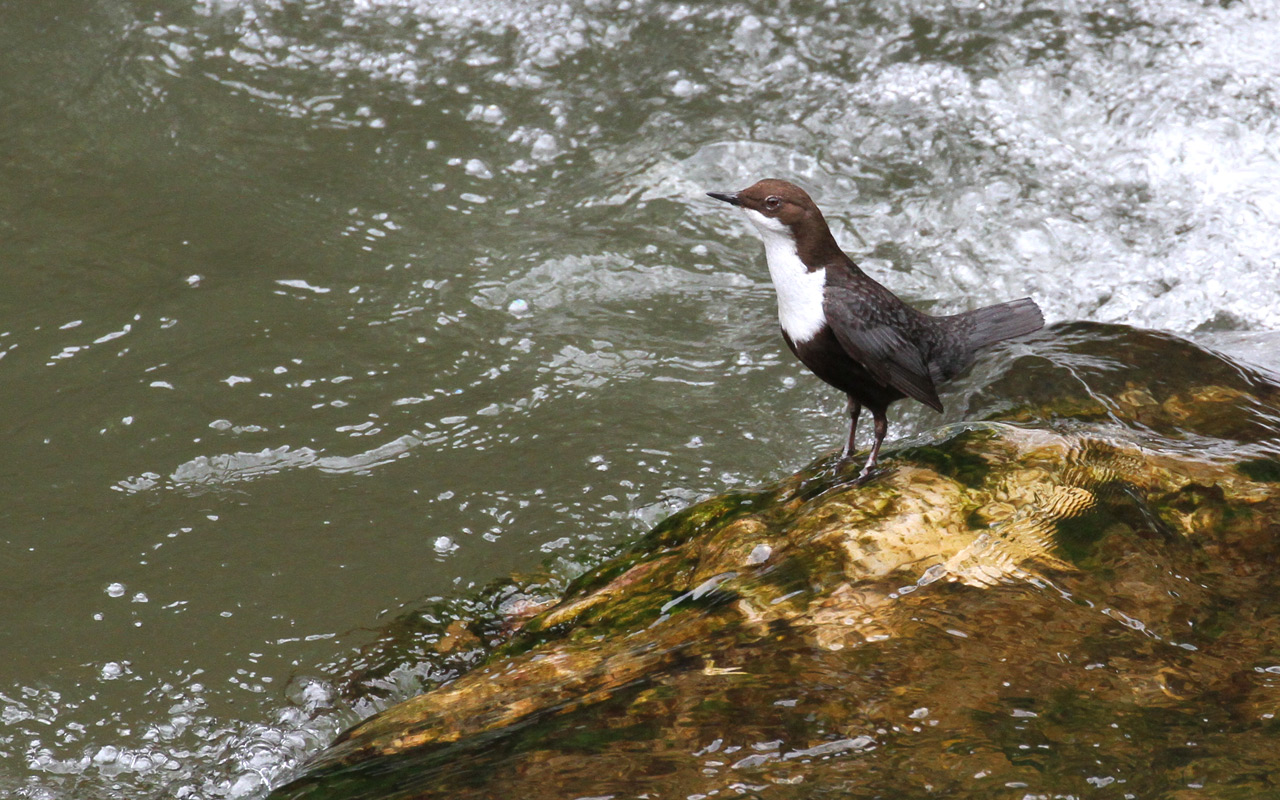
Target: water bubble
(479, 169)
(545, 147)
(491, 114)
(106, 755)
(686, 88)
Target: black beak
(731, 199)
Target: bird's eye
(772, 202)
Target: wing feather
(874, 337)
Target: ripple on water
(1139, 142)
(1119, 162)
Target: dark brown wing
(877, 336)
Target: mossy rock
(1046, 606)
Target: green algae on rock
(1051, 605)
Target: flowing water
(312, 311)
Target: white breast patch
(799, 290)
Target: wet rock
(1079, 594)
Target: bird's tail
(993, 324)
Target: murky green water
(309, 311)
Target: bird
(851, 331)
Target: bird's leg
(855, 408)
(882, 427)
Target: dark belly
(825, 358)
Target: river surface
(314, 311)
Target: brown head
(780, 208)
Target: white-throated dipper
(848, 329)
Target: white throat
(799, 290)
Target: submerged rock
(1083, 595)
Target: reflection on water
(313, 310)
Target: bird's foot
(837, 465)
(867, 472)
(841, 466)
